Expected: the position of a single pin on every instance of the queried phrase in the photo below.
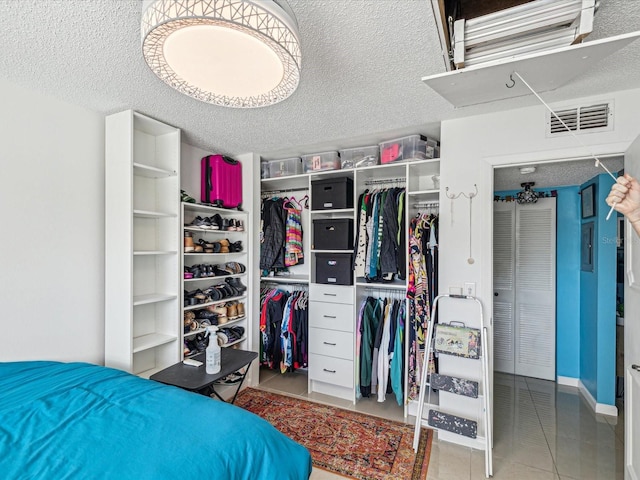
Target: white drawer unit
(331, 342)
(334, 316)
(330, 293)
(335, 371)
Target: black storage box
(332, 193)
(333, 234)
(334, 268)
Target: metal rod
(284, 190)
(386, 180)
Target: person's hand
(625, 198)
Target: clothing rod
(298, 286)
(385, 180)
(284, 190)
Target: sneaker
(239, 225)
(197, 222)
(185, 197)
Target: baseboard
(600, 408)
(568, 381)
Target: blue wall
(598, 302)
(567, 278)
(607, 261)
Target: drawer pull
(636, 367)
(330, 294)
(329, 316)
(327, 343)
(329, 371)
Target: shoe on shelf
(197, 222)
(240, 310)
(236, 283)
(232, 225)
(216, 221)
(185, 197)
(188, 242)
(232, 310)
(239, 225)
(236, 246)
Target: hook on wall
(453, 196)
(513, 82)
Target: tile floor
(541, 431)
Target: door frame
(489, 164)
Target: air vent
(581, 119)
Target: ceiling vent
(581, 119)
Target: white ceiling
(361, 70)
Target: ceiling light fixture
(527, 195)
(527, 170)
(233, 53)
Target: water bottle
(213, 351)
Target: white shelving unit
(142, 197)
(189, 212)
(332, 372)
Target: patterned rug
(344, 442)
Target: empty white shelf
(152, 340)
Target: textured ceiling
(556, 174)
(361, 69)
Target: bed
(76, 420)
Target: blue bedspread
(77, 421)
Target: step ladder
(438, 419)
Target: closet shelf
(233, 343)
(150, 214)
(152, 340)
(333, 251)
(154, 252)
(152, 298)
(288, 279)
(211, 209)
(217, 302)
(213, 254)
(418, 193)
(394, 285)
(219, 277)
(331, 211)
(142, 170)
(209, 230)
(222, 325)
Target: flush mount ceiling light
(233, 53)
(527, 170)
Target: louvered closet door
(503, 286)
(535, 301)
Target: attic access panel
(543, 71)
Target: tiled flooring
(541, 431)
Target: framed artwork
(586, 247)
(588, 196)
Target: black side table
(196, 379)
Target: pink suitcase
(221, 181)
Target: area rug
(344, 442)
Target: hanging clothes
(284, 327)
(379, 355)
(280, 234)
(378, 256)
(421, 289)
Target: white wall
(471, 147)
(52, 235)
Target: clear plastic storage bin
(284, 168)
(360, 157)
(413, 147)
(321, 161)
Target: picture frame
(586, 247)
(588, 201)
